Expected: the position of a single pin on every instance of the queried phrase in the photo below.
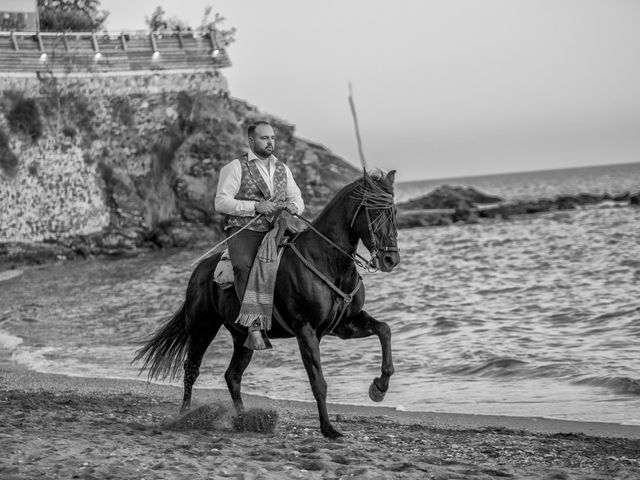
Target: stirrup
(257, 339)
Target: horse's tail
(164, 354)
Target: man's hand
(291, 207)
(266, 207)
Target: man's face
(263, 141)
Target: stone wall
(58, 190)
(120, 83)
(54, 194)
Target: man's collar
(252, 156)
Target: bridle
(373, 197)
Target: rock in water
(447, 196)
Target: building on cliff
(25, 49)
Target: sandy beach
(54, 426)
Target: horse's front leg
(310, 352)
(364, 325)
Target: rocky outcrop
(447, 196)
(444, 205)
(447, 205)
(124, 163)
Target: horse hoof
(331, 432)
(375, 393)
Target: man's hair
(253, 126)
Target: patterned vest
(253, 187)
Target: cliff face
(114, 163)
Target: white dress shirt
(229, 186)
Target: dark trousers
(243, 249)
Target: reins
(347, 298)
(356, 257)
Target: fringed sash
(257, 304)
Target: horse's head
(374, 219)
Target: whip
(355, 122)
(214, 249)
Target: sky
(442, 88)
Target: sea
(536, 315)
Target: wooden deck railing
(68, 52)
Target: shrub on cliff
(80, 110)
(164, 151)
(122, 111)
(74, 15)
(8, 160)
(24, 118)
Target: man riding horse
(252, 190)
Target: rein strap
(335, 245)
(346, 297)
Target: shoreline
(17, 377)
(59, 426)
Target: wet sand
(54, 426)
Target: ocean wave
(496, 367)
(444, 323)
(498, 291)
(617, 313)
(33, 359)
(513, 368)
(9, 342)
(619, 385)
(630, 263)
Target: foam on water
(35, 359)
(8, 342)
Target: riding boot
(257, 338)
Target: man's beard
(266, 152)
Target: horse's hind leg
(238, 364)
(364, 325)
(199, 340)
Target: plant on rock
(24, 118)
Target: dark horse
(318, 292)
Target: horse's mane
(343, 195)
(377, 185)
